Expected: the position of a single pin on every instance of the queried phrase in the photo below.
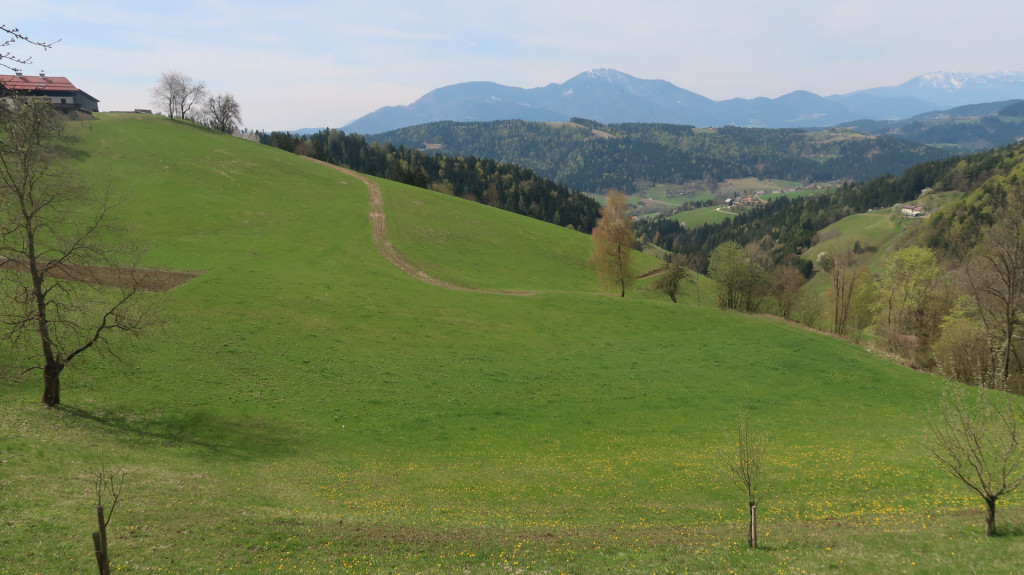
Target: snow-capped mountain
(611, 96)
(950, 89)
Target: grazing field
(702, 216)
(670, 195)
(750, 185)
(307, 407)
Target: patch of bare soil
(154, 280)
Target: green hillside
(305, 406)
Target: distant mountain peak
(608, 74)
(609, 96)
(956, 81)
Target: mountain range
(610, 96)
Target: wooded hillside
(594, 157)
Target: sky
(325, 63)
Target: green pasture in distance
(672, 195)
(307, 407)
(750, 185)
(702, 216)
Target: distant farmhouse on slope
(62, 93)
(914, 210)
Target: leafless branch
(15, 35)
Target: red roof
(38, 83)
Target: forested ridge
(595, 158)
(497, 184)
(964, 129)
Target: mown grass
(307, 407)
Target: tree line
(500, 185)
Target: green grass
(658, 195)
(702, 216)
(750, 185)
(307, 407)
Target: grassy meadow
(703, 216)
(306, 407)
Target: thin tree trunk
(98, 549)
(990, 518)
(105, 566)
(752, 539)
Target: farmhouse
(913, 210)
(61, 92)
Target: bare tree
(109, 481)
(980, 443)
(56, 250)
(672, 276)
(841, 265)
(9, 60)
(786, 282)
(613, 241)
(746, 458)
(179, 93)
(222, 113)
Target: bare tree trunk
(103, 540)
(98, 548)
(990, 517)
(51, 385)
(752, 538)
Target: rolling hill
(306, 406)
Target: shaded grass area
(305, 405)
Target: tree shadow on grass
(1009, 530)
(241, 437)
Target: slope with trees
(489, 403)
(789, 225)
(506, 186)
(594, 157)
(966, 128)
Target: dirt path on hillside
(389, 251)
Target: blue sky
(312, 63)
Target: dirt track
(386, 249)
